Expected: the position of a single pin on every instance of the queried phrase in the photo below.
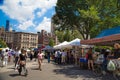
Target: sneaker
(19, 73)
(26, 72)
(103, 72)
(40, 69)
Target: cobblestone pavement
(50, 71)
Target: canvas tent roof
(75, 42)
(61, 45)
(107, 40)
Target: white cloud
(25, 25)
(44, 25)
(23, 10)
(40, 13)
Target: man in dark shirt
(117, 50)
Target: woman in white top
(5, 62)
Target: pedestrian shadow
(34, 64)
(75, 72)
(72, 71)
(34, 68)
(14, 75)
(11, 68)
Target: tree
(67, 35)
(2, 44)
(89, 17)
(60, 35)
(51, 42)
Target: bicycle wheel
(116, 77)
(97, 71)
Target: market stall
(107, 40)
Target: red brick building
(44, 38)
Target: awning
(107, 40)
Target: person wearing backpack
(59, 56)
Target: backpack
(59, 54)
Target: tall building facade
(26, 40)
(44, 38)
(53, 26)
(7, 25)
(19, 39)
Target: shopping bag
(111, 66)
(3, 63)
(17, 67)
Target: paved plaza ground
(50, 71)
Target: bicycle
(116, 72)
(99, 72)
(98, 69)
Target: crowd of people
(103, 57)
(60, 57)
(19, 57)
(64, 57)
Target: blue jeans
(104, 65)
(48, 59)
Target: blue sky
(27, 15)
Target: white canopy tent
(63, 45)
(75, 42)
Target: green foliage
(91, 13)
(67, 35)
(2, 44)
(97, 48)
(51, 42)
(89, 17)
(60, 35)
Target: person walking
(90, 59)
(56, 56)
(35, 55)
(1, 58)
(22, 62)
(63, 57)
(16, 56)
(48, 56)
(59, 56)
(40, 57)
(5, 62)
(31, 55)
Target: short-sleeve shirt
(117, 53)
(22, 57)
(90, 57)
(39, 56)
